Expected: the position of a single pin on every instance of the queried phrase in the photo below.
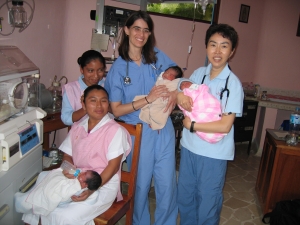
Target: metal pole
(143, 5)
(99, 16)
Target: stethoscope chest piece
(127, 80)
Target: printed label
(295, 118)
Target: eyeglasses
(140, 30)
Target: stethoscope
(127, 79)
(222, 92)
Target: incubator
(19, 79)
(21, 129)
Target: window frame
(214, 19)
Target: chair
(119, 209)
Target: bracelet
(192, 127)
(133, 106)
(147, 100)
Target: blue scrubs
(202, 164)
(157, 156)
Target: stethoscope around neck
(127, 79)
(225, 89)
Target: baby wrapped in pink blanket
(206, 108)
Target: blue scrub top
(142, 78)
(224, 149)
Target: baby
(153, 113)
(55, 189)
(206, 108)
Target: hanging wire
(191, 40)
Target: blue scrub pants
(157, 159)
(200, 184)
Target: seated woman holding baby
(95, 143)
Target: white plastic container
(293, 135)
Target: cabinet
(244, 126)
(279, 173)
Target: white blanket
(52, 190)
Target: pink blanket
(206, 108)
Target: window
(185, 11)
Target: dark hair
(178, 70)
(93, 87)
(225, 30)
(88, 56)
(148, 49)
(94, 182)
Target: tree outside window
(185, 11)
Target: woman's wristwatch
(192, 127)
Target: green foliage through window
(182, 10)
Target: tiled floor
(240, 205)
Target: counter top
(273, 104)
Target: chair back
(119, 209)
(129, 177)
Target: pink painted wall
(278, 53)
(245, 58)
(267, 54)
(42, 40)
(268, 49)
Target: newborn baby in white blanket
(55, 189)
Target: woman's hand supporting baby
(157, 92)
(172, 101)
(184, 101)
(83, 196)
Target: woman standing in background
(92, 67)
